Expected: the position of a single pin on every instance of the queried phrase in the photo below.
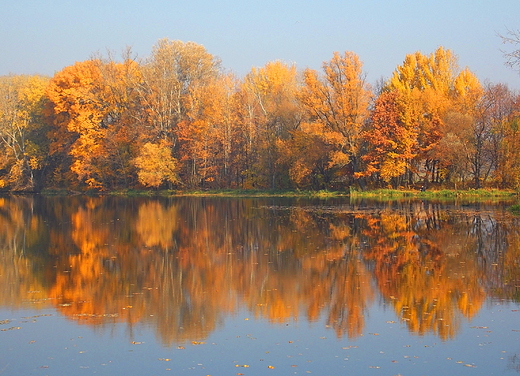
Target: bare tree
(512, 57)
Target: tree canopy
(177, 119)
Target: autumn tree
(430, 86)
(390, 141)
(307, 157)
(338, 101)
(155, 165)
(267, 112)
(125, 118)
(207, 135)
(169, 74)
(22, 131)
(94, 122)
(496, 156)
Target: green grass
(256, 193)
(443, 193)
(515, 209)
(379, 194)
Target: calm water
(203, 286)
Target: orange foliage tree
(338, 101)
(432, 88)
(390, 141)
(268, 112)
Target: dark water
(207, 286)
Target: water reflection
(182, 265)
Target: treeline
(178, 120)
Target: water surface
(214, 286)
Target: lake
(257, 286)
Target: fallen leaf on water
(181, 347)
(197, 343)
(136, 343)
(470, 365)
(244, 365)
(271, 367)
(12, 328)
(164, 359)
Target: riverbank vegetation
(178, 121)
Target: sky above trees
(44, 37)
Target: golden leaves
(156, 164)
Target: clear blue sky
(44, 36)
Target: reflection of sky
(484, 346)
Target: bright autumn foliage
(22, 139)
(338, 101)
(274, 128)
(78, 99)
(170, 74)
(432, 88)
(268, 112)
(391, 143)
(155, 165)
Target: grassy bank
(377, 193)
(373, 194)
(443, 193)
(232, 193)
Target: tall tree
(22, 130)
(271, 108)
(391, 142)
(94, 106)
(339, 101)
(496, 116)
(172, 70)
(430, 86)
(208, 134)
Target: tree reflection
(182, 265)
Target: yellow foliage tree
(431, 87)
(339, 101)
(21, 127)
(155, 165)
